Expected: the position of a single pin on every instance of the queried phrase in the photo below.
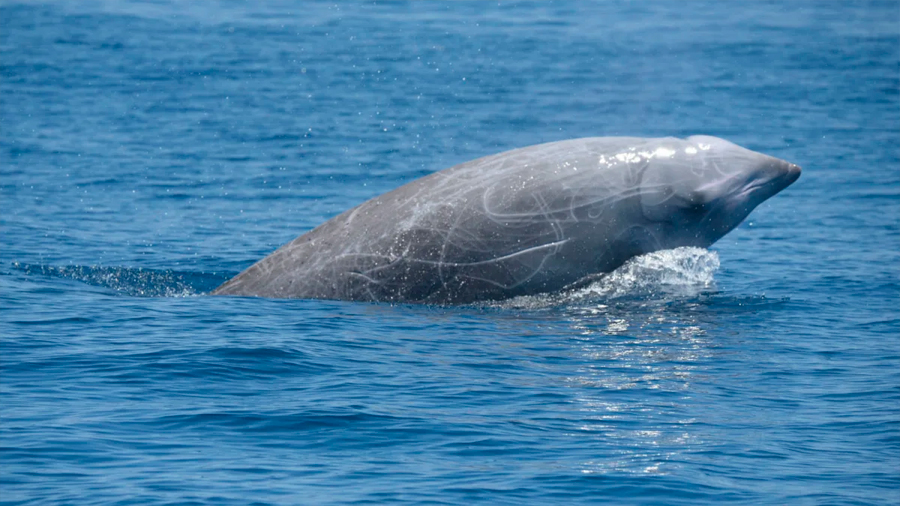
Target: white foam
(661, 270)
(679, 272)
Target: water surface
(150, 150)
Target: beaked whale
(526, 221)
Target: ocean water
(151, 150)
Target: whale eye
(694, 204)
(702, 197)
(696, 209)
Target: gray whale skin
(530, 220)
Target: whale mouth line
(759, 185)
(752, 187)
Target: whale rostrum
(526, 221)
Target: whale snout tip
(793, 172)
(785, 172)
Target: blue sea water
(152, 149)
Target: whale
(532, 220)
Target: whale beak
(783, 174)
(774, 177)
(793, 173)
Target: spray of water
(676, 272)
(136, 282)
(680, 272)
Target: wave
(137, 282)
(676, 272)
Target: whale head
(703, 192)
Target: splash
(679, 272)
(136, 282)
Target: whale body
(531, 220)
